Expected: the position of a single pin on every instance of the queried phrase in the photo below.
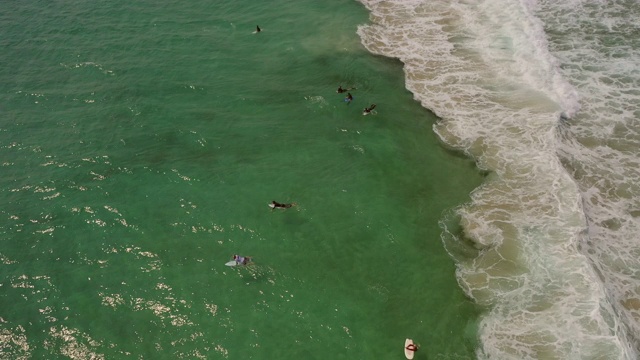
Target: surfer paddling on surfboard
(409, 348)
(241, 260)
(276, 205)
(368, 110)
(341, 90)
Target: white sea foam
(485, 68)
(599, 50)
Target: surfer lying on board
(276, 205)
(341, 90)
(241, 260)
(412, 347)
(368, 110)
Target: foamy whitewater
(544, 95)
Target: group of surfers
(340, 90)
(245, 260)
(349, 98)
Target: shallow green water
(141, 143)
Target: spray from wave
(485, 69)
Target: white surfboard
(231, 263)
(408, 353)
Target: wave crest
(485, 69)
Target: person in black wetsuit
(341, 90)
(348, 99)
(368, 110)
(276, 205)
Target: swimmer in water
(341, 90)
(348, 99)
(368, 110)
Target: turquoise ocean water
(140, 144)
